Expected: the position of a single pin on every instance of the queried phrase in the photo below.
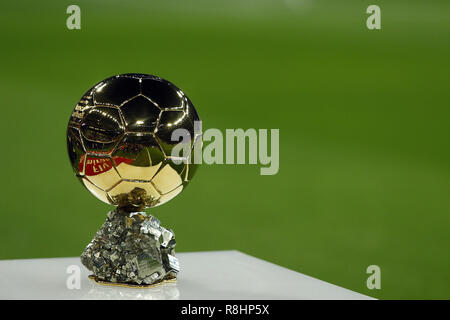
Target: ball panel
(102, 124)
(99, 194)
(191, 111)
(179, 165)
(85, 103)
(101, 129)
(74, 148)
(95, 147)
(131, 172)
(140, 115)
(163, 93)
(140, 150)
(169, 122)
(101, 172)
(116, 90)
(167, 179)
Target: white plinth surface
(204, 275)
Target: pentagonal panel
(167, 179)
(101, 172)
(140, 115)
(135, 194)
(116, 90)
(101, 128)
(171, 119)
(167, 136)
(99, 194)
(163, 93)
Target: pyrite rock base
(131, 248)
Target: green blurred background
(363, 118)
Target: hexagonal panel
(101, 172)
(140, 114)
(169, 122)
(99, 194)
(101, 128)
(167, 179)
(116, 90)
(171, 119)
(163, 93)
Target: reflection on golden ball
(119, 140)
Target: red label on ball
(95, 166)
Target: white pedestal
(204, 275)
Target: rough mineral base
(132, 248)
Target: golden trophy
(121, 138)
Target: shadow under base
(133, 250)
